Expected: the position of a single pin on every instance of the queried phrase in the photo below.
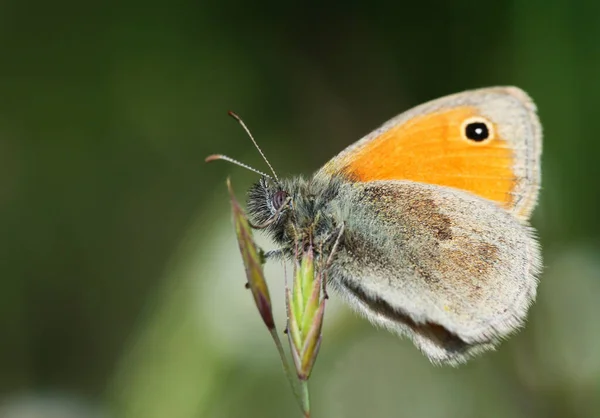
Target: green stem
(305, 398)
(290, 376)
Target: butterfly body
(428, 215)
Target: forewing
(427, 144)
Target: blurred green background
(121, 289)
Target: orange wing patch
(431, 149)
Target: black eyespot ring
(477, 129)
(279, 199)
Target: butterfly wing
(431, 144)
(453, 271)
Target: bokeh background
(121, 287)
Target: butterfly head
(269, 205)
(296, 212)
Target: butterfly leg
(273, 255)
(330, 259)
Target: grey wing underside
(454, 272)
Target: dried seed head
(252, 259)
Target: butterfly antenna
(241, 122)
(231, 160)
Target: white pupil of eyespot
(478, 131)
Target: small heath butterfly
(424, 221)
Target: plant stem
(291, 376)
(305, 398)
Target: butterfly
(425, 220)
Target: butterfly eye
(477, 129)
(279, 199)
